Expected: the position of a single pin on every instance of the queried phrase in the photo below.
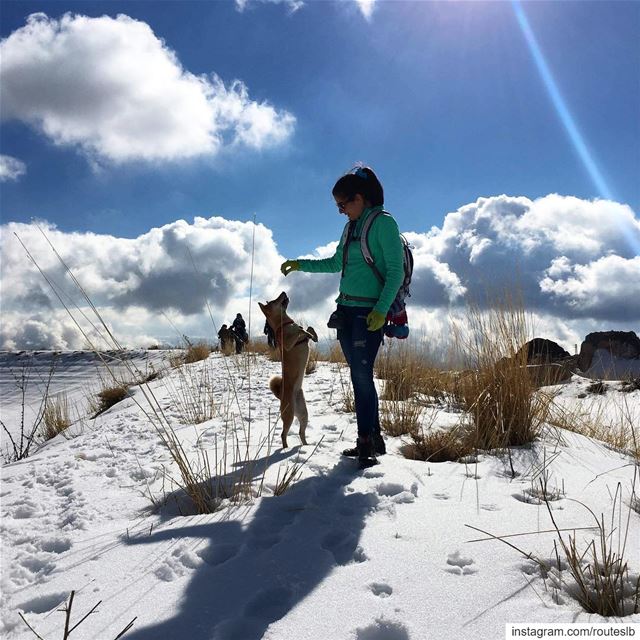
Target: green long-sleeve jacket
(358, 278)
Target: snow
(387, 553)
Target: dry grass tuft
(597, 388)
(108, 397)
(192, 353)
(197, 352)
(258, 346)
(399, 417)
(437, 446)
(629, 386)
(499, 394)
(56, 418)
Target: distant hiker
(237, 339)
(240, 328)
(225, 337)
(364, 299)
(271, 336)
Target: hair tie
(361, 173)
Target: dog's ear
(262, 306)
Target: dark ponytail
(361, 180)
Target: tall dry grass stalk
(400, 417)
(69, 627)
(498, 393)
(334, 354)
(611, 423)
(192, 391)
(601, 581)
(401, 365)
(344, 379)
(191, 472)
(27, 437)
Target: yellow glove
(375, 320)
(288, 266)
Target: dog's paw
(312, 332)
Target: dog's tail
(275, 384)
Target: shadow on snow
(254, 575)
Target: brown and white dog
(292, 341)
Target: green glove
(375, 320)
(288, 266)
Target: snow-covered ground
(382, 554)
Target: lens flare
(559, 103)
(631, 234)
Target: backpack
(397, 315)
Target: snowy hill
(382, 554)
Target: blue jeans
(360, 347)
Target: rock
(541, 350)
(547, 362)
(610, 354)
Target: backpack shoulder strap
(344, 240)
(364, 243)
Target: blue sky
(443, 99)
(147, 135)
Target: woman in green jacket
(364, 299)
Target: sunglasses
(344, 203)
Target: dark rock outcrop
(620, 344)
(541, 350)
(547, 362)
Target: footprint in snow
(42, 604)
(177, 564)
(218, 554)
(441, 496)
(344, 547)
(381, 589)
(460, 565)
(383, 629)
(270, 604)
(55, 544)
(398, 492)
(489, 506)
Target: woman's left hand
(375, 320)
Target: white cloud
(292, 5)
(366, 7)
(575, 262)
(570, 257)
(11, 168)
(115, 90)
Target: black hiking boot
(366, 453)
(378, 442)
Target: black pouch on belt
(335, 320)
